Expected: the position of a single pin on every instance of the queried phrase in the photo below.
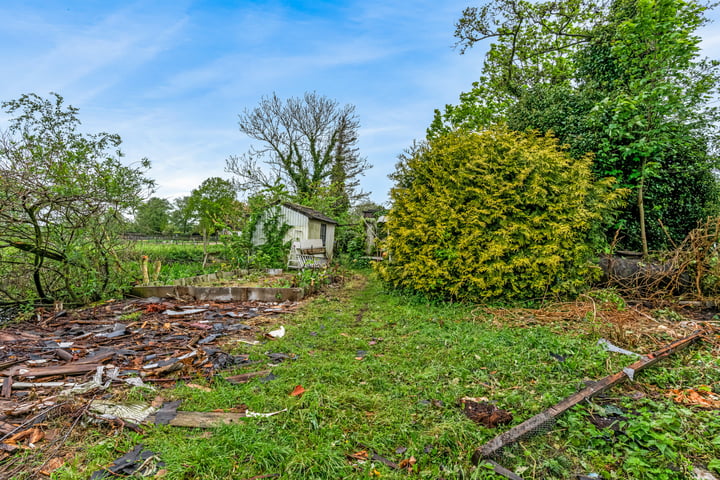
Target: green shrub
(495, 214)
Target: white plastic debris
(279, 333)
(613, 348)
(96, 382)
(111, 374)
(135, 413)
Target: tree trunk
(641, 210)
(39, 259)
(37, 280)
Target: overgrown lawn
(382, 374)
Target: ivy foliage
(263, 213)
(274, 251)
(496, 215)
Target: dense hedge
(495, 214)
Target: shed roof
(309, 212)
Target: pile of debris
(134, 342)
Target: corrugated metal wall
(296, 220)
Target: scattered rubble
(138, 461)
(145, 343)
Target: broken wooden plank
(10, 363)
(63, 354)
(532, 424)
(69, 369)
(97, 357)
(32, 385)
(202, 419)
(246, 377)
(7, 429)
(8, 448)
(7, 387)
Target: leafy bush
(495, 214)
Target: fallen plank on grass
(209, 419)
(202, 419)
(546, 417)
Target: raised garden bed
(237, 286)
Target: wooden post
(144, 269)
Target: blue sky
(171, 76)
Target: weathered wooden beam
(202, 419)
(32, 385)
(532, 424)
(68, 369)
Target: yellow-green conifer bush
(495, 214)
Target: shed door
(323, 233)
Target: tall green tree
(215, 205)
(622, 80)
(62, 196)
(307, 144)
(152, 217)
(182, 218)
(654, 116)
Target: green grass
(178, 260)
(419, 359)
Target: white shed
(306, 225)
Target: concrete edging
(221, 294)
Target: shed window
(323, 233)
